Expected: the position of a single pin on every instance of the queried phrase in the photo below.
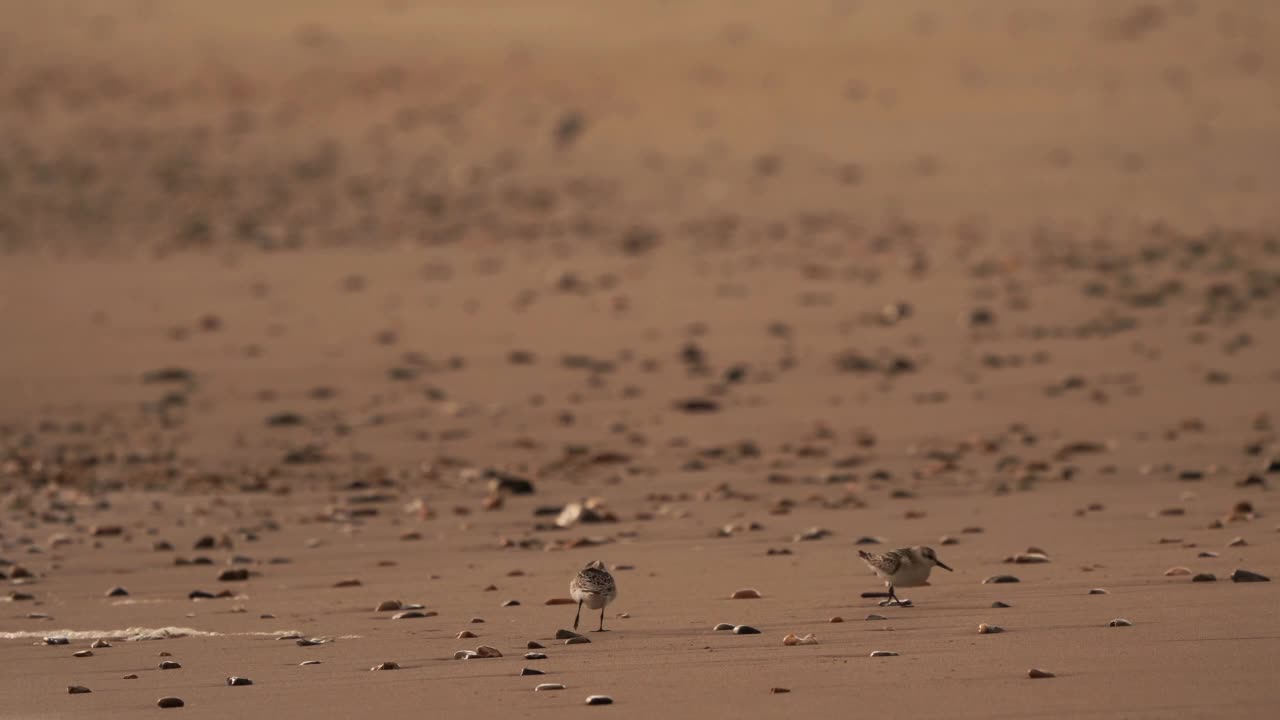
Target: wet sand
(312, 297)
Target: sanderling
(904, 567)
(594, 587)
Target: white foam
(133, 634)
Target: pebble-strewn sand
(338, 337)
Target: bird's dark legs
(601, 619)
(893, 599)
(578, 616)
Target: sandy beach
(335, 335)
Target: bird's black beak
(944, 566)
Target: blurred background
(154, 126)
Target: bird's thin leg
(578, 616)
(602, 619)
(893, 598)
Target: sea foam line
(133, 634)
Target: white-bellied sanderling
(904, 567)
(593, 587)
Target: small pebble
(486, 651)
(1099, 591)
(56, 640)
(117, 592)
(723, 626)
(985, 629)
(577, 640)
(1119, 622)
(170, 702)
(130, 676)
(997, 579)
(530, 671)
(309, 662)
(1179, 570)
(465, 634)
(746, 594)
(535, 656)
(534, 645)
(1240, 575)
(1204, 577)
(386, 666)
(745, 630)
(82, 653)
(836, 619)
(77, 690)
(793, 639)
(236, 681)
(169, 665)
(388, 605)
(599, 700)
(1028, 558)
(1208, 554)
(874, 616)
(408, 615)
(511, 603)
(779, 690)
(883, 653)
(548, 686)
(99, 644)
(999, 604)
(1036, 673)
(1237, 542)
(563, 634)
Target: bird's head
(932, 558)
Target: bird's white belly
(595, 601)
(909, 575)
